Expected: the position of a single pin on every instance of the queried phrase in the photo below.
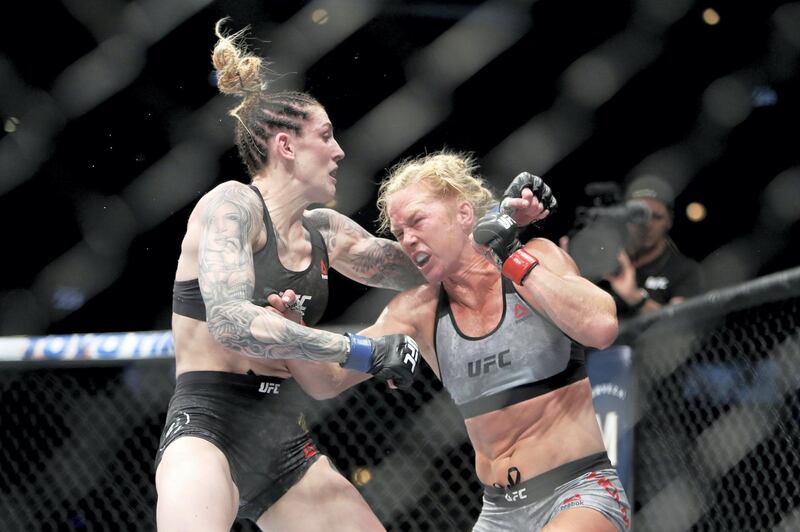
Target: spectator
(652, 272)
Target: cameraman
(652, 271)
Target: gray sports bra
(523, 357)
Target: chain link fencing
(716, 439)
(718, 400)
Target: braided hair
(261, 113)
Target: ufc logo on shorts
(270, 387)
(411, 354)
(516, 495)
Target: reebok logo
(323, 269)
(520, 311)
(270, 387)
(309, 450)
(571, 502)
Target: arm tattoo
(321, 219)
(227, 282)
(225, 254)
(369, 260)
(384, 265)
(259, 333)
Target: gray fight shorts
(589, 482)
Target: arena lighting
(710, 16)
(361, 476)
(11, 124)
(320, 16)
(696, 211)
(714, 424)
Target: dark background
(71, 183)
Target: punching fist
(394, 357)
(285, 304)
(517, 203)
(498, 232)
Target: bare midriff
(196, 350)
(536, 435)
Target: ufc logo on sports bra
(299, 304)
(485, 365)
(270, 387)
(516, 495)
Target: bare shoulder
(338, 231)
(419, 297)
(362, 257)
(415, 308)
(235, 202)
(332, 223)
(320, 218)
(234, 191)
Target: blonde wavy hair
(448, 174)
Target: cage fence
(716, 435)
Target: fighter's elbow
(224, 327)
(604, 331)
(322, 380)
(323, 394)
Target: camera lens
(596, 248)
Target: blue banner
(102, 346)
(611, 376)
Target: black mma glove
(537, 186)
(392, 357)
(498, 232)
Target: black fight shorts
(257, 422)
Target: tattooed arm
(231, 225)
(379, 262)
(361, 256)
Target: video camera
(600, 230)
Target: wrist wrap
(359, 358)
(518, 265)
